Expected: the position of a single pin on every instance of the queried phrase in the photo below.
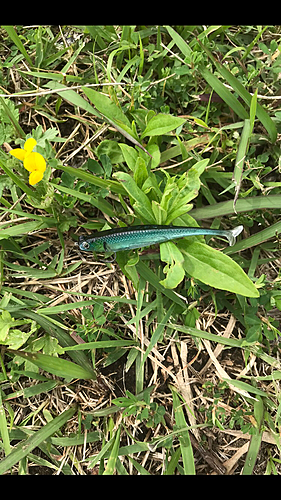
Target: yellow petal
(18, 153)
(35, 177)
(29, 145)
(34, 161)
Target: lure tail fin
(232, 234)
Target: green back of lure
(128, 238)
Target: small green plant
(150, 413)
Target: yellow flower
(33, 162)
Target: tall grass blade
(224, 93)
(179, 41)
(17, 41)
(184, 439)
(256, 439)
(237, 86)
(110, 467)
(4, 433)
(25, 447)
(242, 205)
(240, 158)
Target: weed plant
(165, 361)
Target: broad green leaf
(162, 124)
(170, 253)
(142, 204)
(175, 274)
(114, 115)
(58, 366)
(107, 107)
(140, 173)
(130, 155)
(154, 150)
(174, 270)
(111, 149)
(215, 269)
(246, 387)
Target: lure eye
(85, 245)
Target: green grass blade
(224, 93)
(179, 41)
(173, 463)
(242, 205)
(252, 454)
(72, 97)
(158, 332)
(245, 387)
(151, 277)
(57, 366)
(26, 189)
(25, 447)
(184, 439)
(101, 344)
(255, 239)
(114, 186)
(253, 109)
(238, 87)
(4, 433)
(256, 439)
(240, 157)
(19, 229)
(253, 43)
(194, 332)
(17, 41)
(110, 467)
(56, 331)
(99, 202)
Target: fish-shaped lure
(128, 238)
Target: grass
(165, 361)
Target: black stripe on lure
(128, 238)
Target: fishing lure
(128, 238)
